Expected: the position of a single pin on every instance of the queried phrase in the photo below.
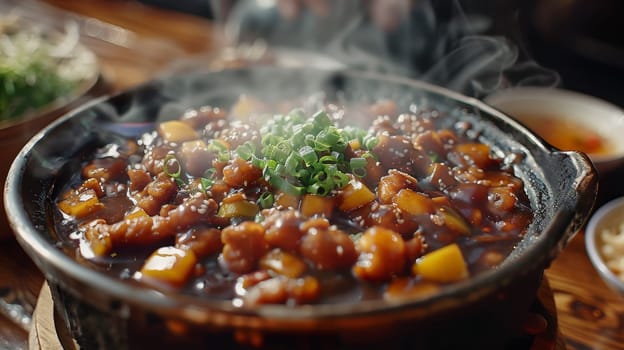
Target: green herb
(306, 155)
(266, 200)
(31, 84)
(208, 179)
(173, 169)
(223, 153)
(36, 70)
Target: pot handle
(580, 198)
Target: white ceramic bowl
(608, 217)
(598, 115)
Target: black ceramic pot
(102, 312)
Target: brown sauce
(187, 208)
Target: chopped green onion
(258, 162)
(359, 172)
(320, 176)
(206, 183)
(308, 154)
(169, 161)
(285, 186)
(292, 162)
(170, 158)
(355, 163)
(370, 142)
(266, 200)
(305, 155)
(340, 179)
(175, 175)
(207, 180)
(246, 150)
(218, 146)
(321, 119)
(320, 188)
(330, 159)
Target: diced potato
(135, 213)
(177, 131)
(80, 203)
(287, 200)
(413, 202)
(317, 205)
(453, 220)
(355, 195)
(283, 263)
(443, 265)
(99, 242)
(169, 265)
(479, 153)
(243, 208)
(354, 144)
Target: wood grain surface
(590, 315)
(46, 335)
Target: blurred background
(476, 47)
(473, 46)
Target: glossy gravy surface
(398, 208)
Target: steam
(448, 47)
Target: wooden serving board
(44, 335)
(43, 331)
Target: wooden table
(590, 315)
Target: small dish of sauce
(568, 120)
(567, 134)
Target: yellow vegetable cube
(313, 204)
(135, 213)
(177, 131)
(443, 265)
(99, 242)
(453, 220)
(479, 153)
(169, 265)
(243, 208)
(355, 195)
(413, 202)
(287, 200)
(80, 203)
(354, 144)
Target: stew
(298, 206)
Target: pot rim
(543, 249)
